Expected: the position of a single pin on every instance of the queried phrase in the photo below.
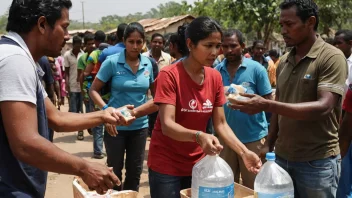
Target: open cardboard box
(81, 190)
(240, 192)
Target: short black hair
(120, 31)
(257, 42)
(99, 36)
(179, 39)
(305, 9)
(347, 34)
(88, 37)
(134, 27)
(24, 14)
(200, 28)
(274, 53)
(76, 39)
(112, 37)
(239, 35)
(157, 35)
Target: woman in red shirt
(189, 93)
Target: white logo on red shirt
(207, 104)
(193, 104)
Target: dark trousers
(133, 142)
(162, 186)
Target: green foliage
(256, 18)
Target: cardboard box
(81, 190)
(240, 192)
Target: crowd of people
(177, 98)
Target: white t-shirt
(18, 74)
(70, 62)
(349, 79)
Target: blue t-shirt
(127, 87)
(111, 51)
(251, 74)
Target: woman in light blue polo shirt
(131, 76)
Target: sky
(95, 9)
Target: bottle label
(223, 192)
(289, 194)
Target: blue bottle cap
(270, 156)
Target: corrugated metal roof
(70, 32)
(157, 24)
(165, 22)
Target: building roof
(158, 24)
(72, 32)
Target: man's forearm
(146, 109)
(44, 155)
(300, 111)
(273, 131)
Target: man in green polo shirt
(310, 82)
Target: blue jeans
(98, 139)
(345, 184)
(318, 178)
(133, 143)
(75, 102)
(169, 186)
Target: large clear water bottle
(212, 177)
(273, 181)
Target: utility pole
(83, 14)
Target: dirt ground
(60, 185)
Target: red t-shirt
(194, 105)
(347, 104)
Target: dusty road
(60, 186)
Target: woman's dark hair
(239, 35)
(157, 35)
(76, 40)
(200, 28)
(120, 30)
(133, 27)
(112, 37)
(179, 39)
(274, 53)
(257, 42)
(24, 14)
(99, 36)
(305, 9)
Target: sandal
(80, 135)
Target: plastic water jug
(273, 181)
(212, 177)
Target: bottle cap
(270, 156)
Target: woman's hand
(251, 161)
(111, 129)
(209, 143)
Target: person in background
(111, 39)
(88, 46)
(119, 47)
(156, 52)
(345, 139)
(47, 78)
(274, 55)
(57, 75)
(258, 50)
(88, 75)
(131, 76)
(72, 86)
(59, 61)
(177, 44)
(305, 120)
(37, 28)
(178, 141)
(343, 41)
(247, 52)
(251, 130)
